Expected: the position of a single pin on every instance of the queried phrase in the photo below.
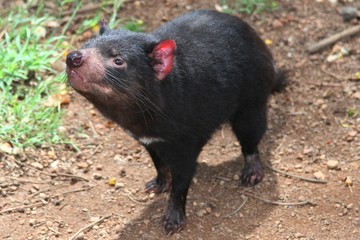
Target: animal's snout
(74, 59)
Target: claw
(157, 186)
(174, 222)
(252, 172)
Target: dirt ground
(54, 192)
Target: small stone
(332, 164)
(37, 165)
(122, 172)
(208, 210)
(298, 166)
(301, 199)
(151, 195)
(119, 185)
(200, 213)
(82, 165)
(277, 23)
(13, 188)
(356, 95)
(43, 196)
(97, 176)
(236, 177)
(99, 167)
(51, 154)
(350, 206)
(352, 133)
(319, 175)
(32, 222)
(195, 180)
(299, 235)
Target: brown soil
(308, 127)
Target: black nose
(74, 59)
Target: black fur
(222, 72)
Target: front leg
(162, 182)
(182, 163)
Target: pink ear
(163, 54)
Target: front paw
(252, 172)
(157, 186)
(174, 221)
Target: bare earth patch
(58, 193)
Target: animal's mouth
(76, 80)
(82, 83)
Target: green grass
(27, 80)
(28, 48)
(249, 6)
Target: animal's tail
(281, 79)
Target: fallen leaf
(112, 181)
(57, 100)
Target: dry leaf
(57, 100)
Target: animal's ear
(163, 58)
(103, 26)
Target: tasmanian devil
(172, 88)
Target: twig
(278, 203)
(38, 192)
(22, 207)
(326, 84)
(332, 75)
(53, 230)
(52, 174)
(84, 10)
(74, 191)
(93, 129)
(89, 226)
(65, 204)
(312, 180)
(332, 39)
(71, 176)
(135, 201)
(28, 181)
(238, 209)
(95, 150)
(224, 179)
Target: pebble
(200, 213)
(277, 23)
(236, 177)
(82, 165)
(37, 165)
(32, 222)
(97, 176)
(319, 175)
(51, 154)
(99, 167)
(43, 196)
(119, 185)
(332, 164)
(151, 195)
(350, 206)
(122, 172)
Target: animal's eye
(118, 62)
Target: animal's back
(221, 65)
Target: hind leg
(249, 126)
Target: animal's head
(119, 64)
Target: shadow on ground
(215, 197)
